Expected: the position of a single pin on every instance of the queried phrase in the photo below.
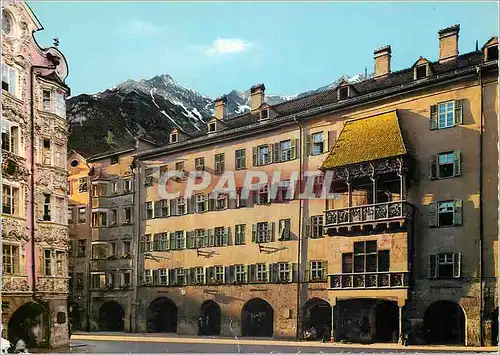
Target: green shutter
(173, 245)
(270, 231)
(433, 214)
(276, 153)
(432, 266)
(273, 271)
(433, 166)
(459, 111)
(191, 239)
(211, 237)
(155, 242)
(270, 154)
(307, 150)
(324, 270)
(255, 161)
(173, 208)
(167, 241)
(211, 203)
(156, 277)
(307, 272)
(205, 238)
(231, 277)
(433, 117)
(457, 265)
(457, 163)
(325, 141)
(293, 148)
(144, 212)
(244, 158)
(226, 235)
(254, 233)
(294, 272)
(458, 215)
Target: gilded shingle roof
(367, 139)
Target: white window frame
(221, 201)
(262, 232)
(201, 201)
(219, 273)
(127, 185)
(263, 194)
(199, 275)
(443, 111)
(317, 143)
(263, 155)
(447, 205)
(261, 272)
(286, 151)
(14, 136)
(14, 210)
(240, 273)
(15, 264)
(12, 76)
(317, 226)
(316, 270)
(181, 206)
(284, 271)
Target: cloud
(142, 28)
(227, 45)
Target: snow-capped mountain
(111, 119)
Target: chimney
(221, 107)
(256, 97)
(448, 43)
(382, 57)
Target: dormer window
(174, 138)
(343, 92)
(211, 127)
(492, 53)
(420, 71)
(264, 114)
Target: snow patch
(242, 108)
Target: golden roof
(367, 139)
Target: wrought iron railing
(367, 213)
(370, 280)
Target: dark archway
(23, 320)
(111, 317)
(257, 318)
(444, 323)
(318, 314)
(387, 322)
(75, 314)
(494, 328)
(162, 316)
(210, 319)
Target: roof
(367, 139)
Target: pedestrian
(21, 345)
(326, 334)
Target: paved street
(149, 343)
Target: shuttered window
(445, 265)
(445, 213)
(446, 114)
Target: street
(124, 343)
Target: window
(239, 237)
(201, 203)
(163, 169)
(127, 185)
(317, 146)
(113, 220)
(74, 163)
(10, 259)
(199, 237)
(181, 206)
(285, 192)
(199, 164)
(80, 252)
(284, 229)
(99, 251)
(82, 185)
(60, 104)
(239, 273)
(445, 165)
(219, 236)
(445, 265)
(114, 159)
(114, 187)
(70, 215)
(46, 207)
(199, 275)
(263, 194)
(148, 177)
(82, 214)
(179, 240)
(286, 150)
(446, 211)
(46, 152)
(261, 272)
(446, 114)
(219, 163)
(59, 155)
(219, 273)
(149, 210)
(9, 79)
(10, 137)
(60, 257)
(99, 189)
(221, 201)
(211, 127)
(284, 272)
(343, 93)
(162, 276)
(99, 281)
(47, 262)
(79, 281)
(60, 210)
(127, 215)
(126, 247)
(241, 162)
(161, 242)
(180, 276)
(366, 258)
(262, 232)
(263, 155)
(125, 282)
(264, 114)
(161, 209)
(421, 71)
(316, 226)
(112, 248)
(174, 138)
(147, 242)
(492, 53)
(316, 273)
(10, 200)
(99, 219)
(179, 166)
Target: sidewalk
(174, 338)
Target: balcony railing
(370, 280)
(378, 212)
(110, 263)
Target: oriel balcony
(370, 280)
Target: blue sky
(216, 47)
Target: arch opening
(257, 318)
(27, 323)
(210, 318)
(111, 317)
(318, 315)
(75, 315)
(162, 316)
(444, 323)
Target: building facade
(102, 239)
(34, 176)
(404, 244)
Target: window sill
(53, 223)
(52, 114)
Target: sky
(215, 47)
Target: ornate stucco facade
(34, 177)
